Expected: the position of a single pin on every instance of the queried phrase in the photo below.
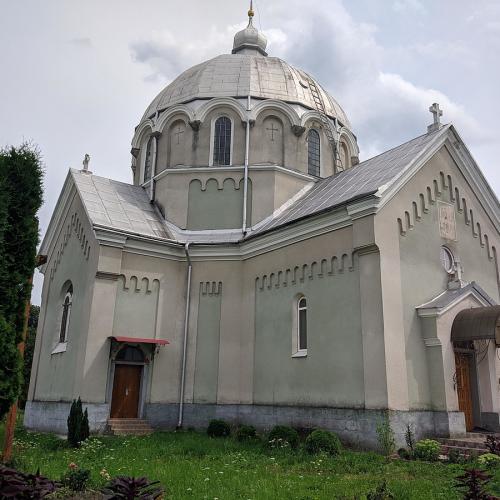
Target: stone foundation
(356, 427)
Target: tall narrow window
(222, 141)
(313, 153)
(302, 324)
(148, 161)
(66, 307)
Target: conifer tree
(78, 424)
(20, 198)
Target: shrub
(76, 479)
(405, 454)
(493, 444)
(15, 484)
(427, 450)
(78, 424)
(455, 457)
(246, 433)
(472, 484)
(381, 493)
(282, 436)
(132, 488)
(218, 428)
(410, 438)
(488, 460)
(320, 440)
(385, 436)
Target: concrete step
(468, 452)
(129, 426)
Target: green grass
(192, 465)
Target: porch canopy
(135, 340)
(477, 323)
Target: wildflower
(207, 479)
(73, 466)
(189, 489)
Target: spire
(250, 40)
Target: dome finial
(250, 40)
(250, 12)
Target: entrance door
(462, 366)
(126, 389)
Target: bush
(15, 484)
(218, 428)
(78, 424)
(381, 493)
(427, 450)
(455, 457)
(133, 487)
(282, 436)
(493, 444)
(472, 485)
(325, 441)
(246, 433)
(488, 460)
(385, 436)
(76, 479)
(405, 454)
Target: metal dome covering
(240, 75)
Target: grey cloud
(84, 42)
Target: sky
(76, 77)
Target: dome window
(313, 153)
(148, 161)
(222, 141)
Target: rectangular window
(302, 329)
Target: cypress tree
(20, 198)
(78, 424)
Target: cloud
(408, 5)
(84, 42)
(344, 55)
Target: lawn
(192, 465)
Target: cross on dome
(437, 113)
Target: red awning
(135, 340)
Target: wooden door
(462, 366)
(126, 389)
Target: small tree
(78, 424)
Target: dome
(240, 75)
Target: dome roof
(240, 75)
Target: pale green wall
(207, 344)
(216, 208)
(332, 372)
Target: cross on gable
(437, 114)
(272, 130)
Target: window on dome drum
(131, 354)
(302, 324)
(313, 153)
(66, 312)
(447, 260)
(222, 141)
(148, 161)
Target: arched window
(66, 312)
(302, 324)
(222, 141)
(148, 161)
(313, 153)
(130, 353)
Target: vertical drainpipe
(245, 181)
(186, 327)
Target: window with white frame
(302, 325)
(222, 141)
(66, 313)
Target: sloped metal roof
(241, 75)
(362, 180)
(118, 205)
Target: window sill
(300, 354)
(60, 347)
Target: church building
(255, 270)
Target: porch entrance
(126, 391)
(464, 392)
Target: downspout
(186, 327)
(245, 181)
